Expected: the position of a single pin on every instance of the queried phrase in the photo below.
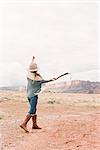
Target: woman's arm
(46, 81)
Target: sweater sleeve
(46, 81)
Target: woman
(34, 85)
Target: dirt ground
(68, 121)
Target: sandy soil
(68, 121)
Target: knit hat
(30, 71)
(33, 67)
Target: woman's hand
(54, 79)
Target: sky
(61, 34)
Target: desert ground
(68, 121)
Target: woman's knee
(32, 110)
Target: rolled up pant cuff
(32, 114)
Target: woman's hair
(36, 74)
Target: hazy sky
(63, 35)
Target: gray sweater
(34, 87)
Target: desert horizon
(72, 86)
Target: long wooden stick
(62, 75)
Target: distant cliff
(75, 86)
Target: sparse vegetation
(66, 120)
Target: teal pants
(33, 103)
